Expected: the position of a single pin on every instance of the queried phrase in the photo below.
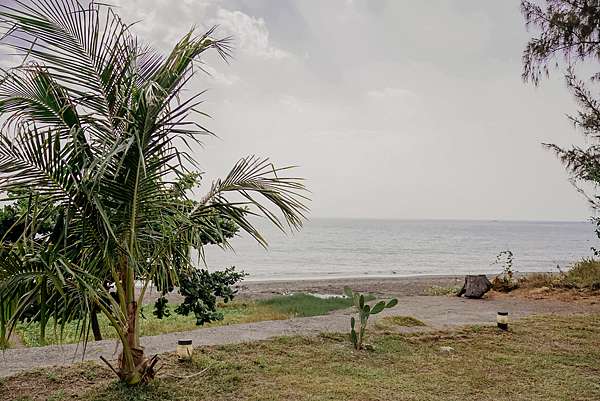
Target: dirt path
(436, 312)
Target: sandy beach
(380, 286)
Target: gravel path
(436, 312)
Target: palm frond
(252, 177)
(86, 49)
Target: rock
(446, 350)
(475, 286)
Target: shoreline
(356, 277)
(399, 286)
(381, 285)
(387, 276)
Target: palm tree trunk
(134, 361)
(134, 367)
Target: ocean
(330, 248)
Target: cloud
(163, 22)
(406, 101)
(220, 78)
(9, 60)
(292, 103)
(250, 34)
(386, 93)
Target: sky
(391, 109)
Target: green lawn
(302, 305)
(540, 359)
(277, 308)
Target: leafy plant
(505, 281)
(201, 289)
(364, 312)
(505, 258)
(100, 126)
(15, 215)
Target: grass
(437, 290)
(303, 305)
(539, 280)
(541, 358)
(277, 308)
(584, 276)
(235, 312)
(402, 321)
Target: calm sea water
(353, 248)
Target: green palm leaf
(98, 128)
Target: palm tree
(96, 124)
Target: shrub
(584, 274)
(505, 281)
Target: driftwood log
(475, 286)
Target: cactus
(364, 311)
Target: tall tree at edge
(566, 36)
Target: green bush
(505, 281)
(584, 274)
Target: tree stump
(475, 286)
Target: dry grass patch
(436, 290)
(579, 283)
(390, 322)
(541, 358)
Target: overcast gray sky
(392, 109)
